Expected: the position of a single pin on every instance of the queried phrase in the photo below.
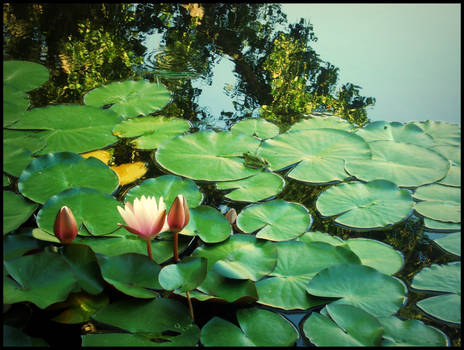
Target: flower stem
(176, 255)
(149, 250)
(190, 304)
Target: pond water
(224, 63)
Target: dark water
(221, 62)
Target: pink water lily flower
(145, 217)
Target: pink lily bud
(65, 227)
(179, 215)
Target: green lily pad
(43, 279)
(208, 155)
(96, 210)
(260, 128)
(453, 178)
(405, 164)
(371, 252)
(71, 128)
(133, 274)
(315, 236)
(240, 257)
(395, 131)
(285, 286)
(217, 287)
(320, 154)
(207, 223)
(15, 159)
(276, 220)
(376, 254)
(438, 202)
(16, 210)
(158, 322)
(323, 122)
(186, 275)
(366, 206)
(449, 242)
(441, 278)
(13, 337)
(361, 286)
(53, 173)
(15, 103)
(452, 153)
(443, 133)
(343, 325)
(410, 333)
(83, 263)
(151, 132)
(129, 98)
(168, 187)
(24, 75)
(29, 140)
(436, 225)
(123, 242)
(258, 327)
(16, 245)
(254, 188)
(79, 307)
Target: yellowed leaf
(104, 156)
(130, 172)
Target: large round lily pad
(30, 140)
(123, 242)
(320, 154)
(133, 274)
(129, 98)
(53, 173)
(207, 223)
(395, 131)
(151, 132)
(71, 128)
(449, 242)
(15, 103)
(376, 254)
(405, 164)
(343, 325)
(254, 188)
(208, 155)
(276, 220)
(361, 286)
(150, 323)
(371, 252)
(410, 333)
(297, 263)
(366, 206)
(258, 327)
(15, 159)
(445, 279)
(323, 122)
(438, 202)
(240, 257)
(95, 209)
(24, 75)
(260, 128)
(16, 210)
(453, 178)
(440, 226)
(168, 187)
(443, 133)
(218, 287)
(185, 275)
(43, 279)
